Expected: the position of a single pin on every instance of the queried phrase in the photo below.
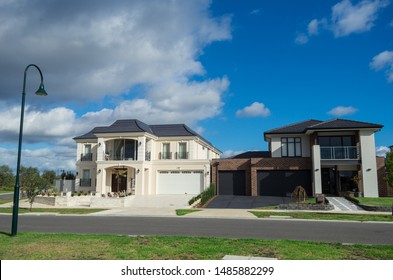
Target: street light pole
(41, 91)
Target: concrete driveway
(245, 202)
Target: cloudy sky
(228, 69)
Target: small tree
(49, 176)
(389, 168)
(7, 178)
(31, 183)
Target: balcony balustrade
(339, 153)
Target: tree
(7, 178)
(31, 183)
(49, 176)
(389, 168)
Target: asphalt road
(324, 231)
(6, 196)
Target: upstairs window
(291, 146)
(182, 151)
(166, 151)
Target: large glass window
(166, 151)
(291, 147)
(125, 149)
(182, 151)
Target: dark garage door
(232, 183)
(282, 182)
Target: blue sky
(229, 69)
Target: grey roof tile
(302, 127)
(299, 127)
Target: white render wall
(369, 164)
(316, 166)
(276, 144)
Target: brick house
(329, 157)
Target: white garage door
(179, 182)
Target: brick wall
(251, 166)
(383, 187)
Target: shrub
(195, 198)
(207, 194)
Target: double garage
(179, 182)
(269, 182)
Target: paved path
(342, 204)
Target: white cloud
(99, 48)
(255, 12)
(313, 27)
(52, 158)
(301, 39)
(383, 60)
(342, 111)
(347, 18)
(382, 150)
(256, 109)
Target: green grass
(327, 216)
(377, 201)
(182, 212)
(53, 210)
(40, 246)
(4, 201)
(6, 191)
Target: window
(182, 151)
(291, 147)
(87, 154)
(85, 181)
(166, 151)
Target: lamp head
(41, 90)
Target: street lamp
(41, 92)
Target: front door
(329, 182)
(119, 181)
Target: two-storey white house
(133, 157)
(324, 157)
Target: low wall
(84, 201)
(306, 206)
(376, 208)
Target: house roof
(310, 125)
(133, 125)
(299, 127)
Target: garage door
(283, 182)
(179, 182)
(232, 183)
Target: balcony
(85, 182)
(87, 157)
(165, 155)
(181, 155)
(339, 153)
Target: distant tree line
(30, 176)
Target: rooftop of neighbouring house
(252, 154)
(316, 125)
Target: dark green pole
(40, 91)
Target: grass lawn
(4, 201)
(376, 201)
(182, 212)
(326, 216)
(39, 246)
(53, 210)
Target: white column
(316, 169)
(369, 163)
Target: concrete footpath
(170, 211)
